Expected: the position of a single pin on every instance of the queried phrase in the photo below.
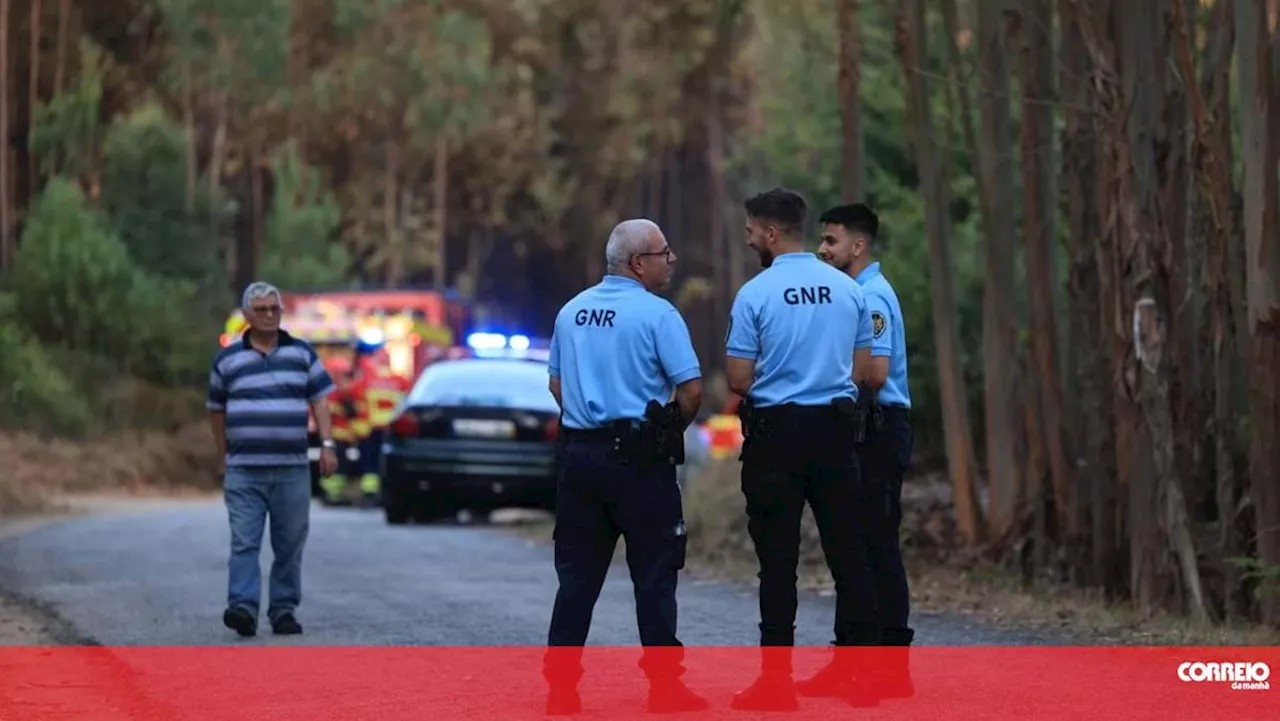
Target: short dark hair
(783, 207)
(854, 216)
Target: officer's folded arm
(739, 372)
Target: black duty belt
(599, 435)
(793, 410)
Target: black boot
(664, 667)
(895, 675)
(774, 689)
(562, 670)
(831, 680)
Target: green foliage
(144, 197)
(67, 129)
(453, 72)
(299, 252)
(76, 288)
(1266, 577)
(72, 281)
(232, 41)
(35, 395)
(172, 331)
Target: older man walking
(260, 389)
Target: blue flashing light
(486, 341)
(518, 342)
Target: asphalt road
(156, 576)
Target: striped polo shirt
(266, 398)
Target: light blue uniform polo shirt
(889, 334)
(615, 347)
(792, 319)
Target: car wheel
(431, 509)
(397, 513)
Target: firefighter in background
(341, 412)
(377, 393)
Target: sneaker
(286, 625)
(240, 620)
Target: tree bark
(1095, 19)
(258, 201)
(959, 81)
(1173, 140)
(189, 123)
(394, 268)
(64, 29)
(1158, 507)
(216, 156)
(440, 185)
(1034, 20)
(33, 96)
(1212, 161)
(849, 85)
(999, 342)
(719, 238)
(1260, 125)
(1092, 419)
(910, 45)
(6, 224)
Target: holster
(753, 426)
(661, 437)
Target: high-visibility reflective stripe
(382, 405)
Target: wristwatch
(328, 443)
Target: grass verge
(40, 471)
(719, 548)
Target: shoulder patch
(878, 323)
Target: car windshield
(491, 383)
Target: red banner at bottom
(988, 683)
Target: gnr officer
(618, 351)
(790, 348)
(849, 234)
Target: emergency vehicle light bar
(496, 341)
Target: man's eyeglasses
(267, 309)
(665, 253)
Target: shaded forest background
(1079, 201)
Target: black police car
(475, 433)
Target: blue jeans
(253, 494)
